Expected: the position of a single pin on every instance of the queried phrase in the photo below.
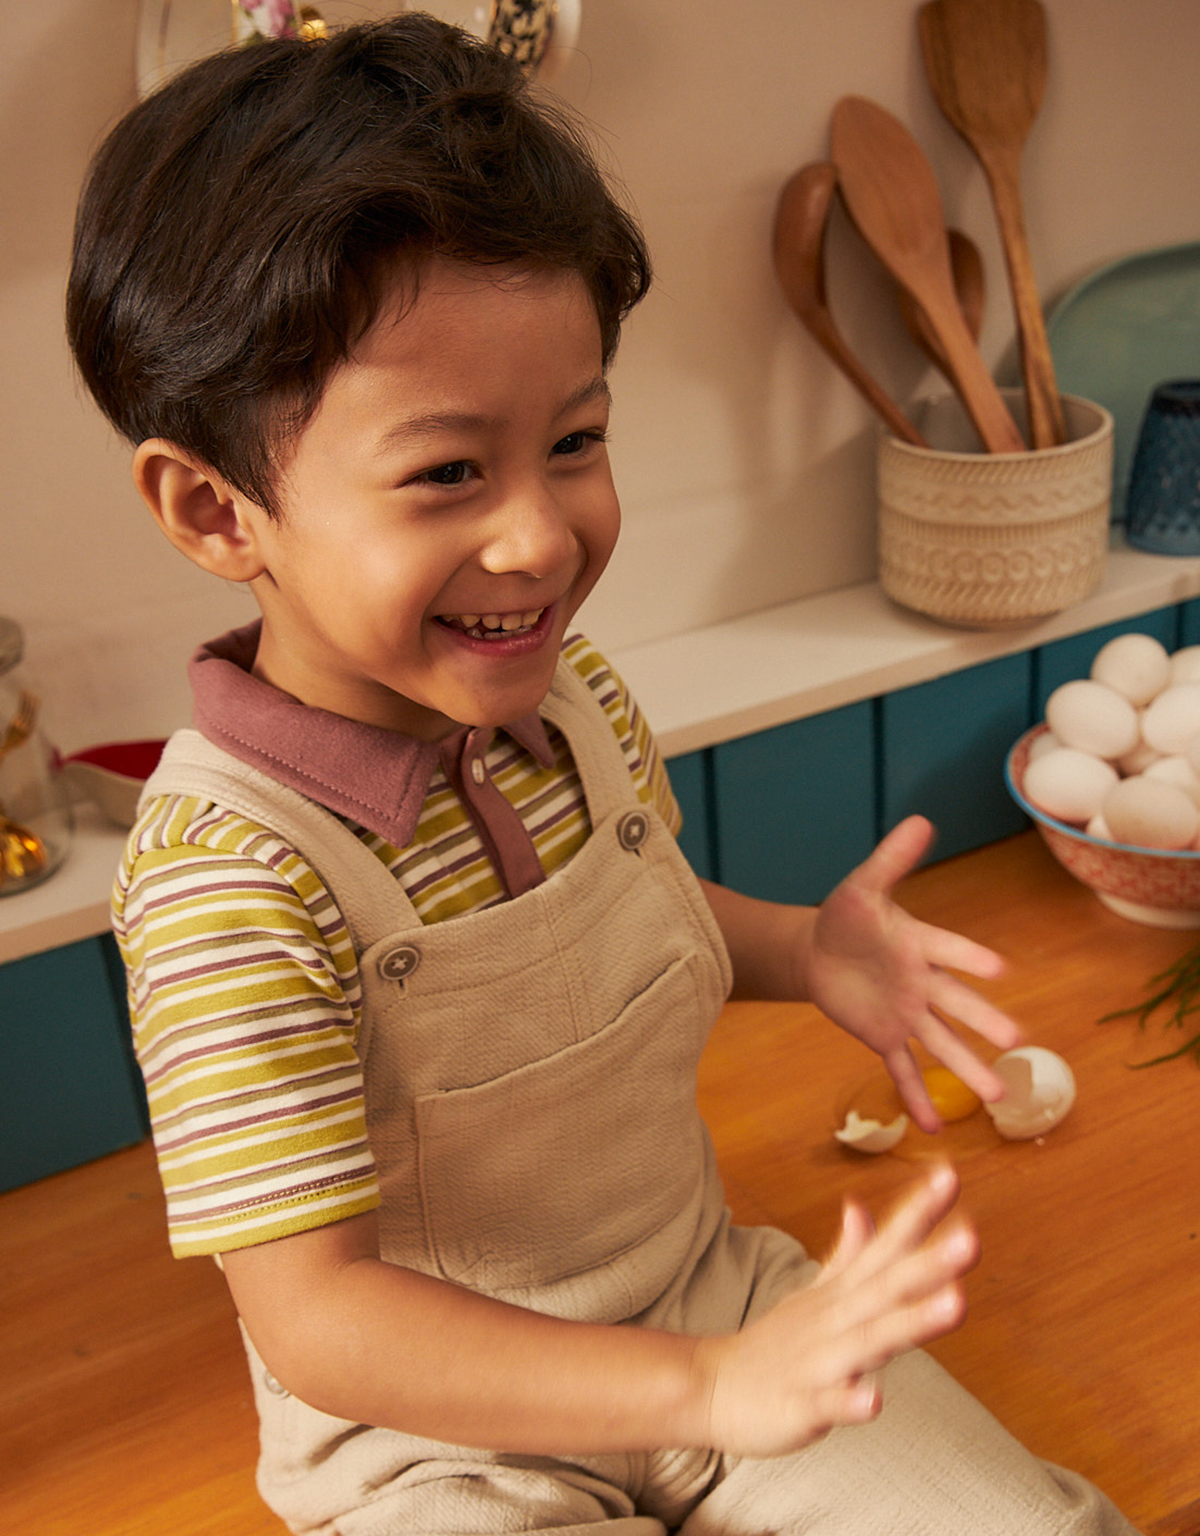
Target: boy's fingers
(896, 855)
(910, 1223)
(857, 1230)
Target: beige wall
(744, 461)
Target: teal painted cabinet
(70, 1091)
(942, 750)
(794, 807)
(691, 781)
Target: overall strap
(369, 897)
(573, 707)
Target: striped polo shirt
(243, 984)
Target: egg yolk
(951, 1097)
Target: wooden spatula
(891, 192)
(966, 267)
(986, 62)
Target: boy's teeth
(497, 623)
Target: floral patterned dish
(1146, 885)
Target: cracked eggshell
(871, 1135)
(1039, 1092)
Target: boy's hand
(880, 974)
(807, 1366)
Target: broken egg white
(1039, 1092)
(871, 1135)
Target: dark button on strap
(400, 962)
(632, 830)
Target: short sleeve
(243, 999)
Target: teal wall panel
(1189, 622)
(795, 806)
(68, 1092)
(1063, 660)
(942, 746)
(691, 781)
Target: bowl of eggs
(1111, 779)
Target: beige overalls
(530, 1091)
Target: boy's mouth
(492, 626)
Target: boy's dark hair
(239, 226)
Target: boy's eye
(454, 473)
(577, 442)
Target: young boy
(419, 976)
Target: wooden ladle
(799, 249)
(892, 195)
(986, 62)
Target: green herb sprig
(1178, 987)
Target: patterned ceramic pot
(994, 540)
(1147, 885)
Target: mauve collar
(376, 777)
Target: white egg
(1139, 759)
(1039, 1092)
(1176, 770)
(1098, 827)
(1040, 745)
(1092, 718)
(871, 1135)
(1185, 665)
(1192, 752)
(1172, 720)
(1150, 814)
(1068, 784)
(1136, 665)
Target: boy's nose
(531, 535)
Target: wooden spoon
(892, 195)
(986, 62)
(966, 267)
(799, 238)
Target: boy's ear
(201, 514)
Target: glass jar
(35, 814)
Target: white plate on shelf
(1124, 329)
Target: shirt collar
(374, 776)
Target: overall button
(400, 962)
(632, 830)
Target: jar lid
(12, 644)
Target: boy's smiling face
(453, 485)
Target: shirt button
(275, 1388)
(632, 830)
(478, 772)
(400, 962)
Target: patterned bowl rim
(1025, 741)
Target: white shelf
(802, 658)
(697, 690)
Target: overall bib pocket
(566, 1163)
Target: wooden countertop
(124, 1398)
(1083, 1334)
